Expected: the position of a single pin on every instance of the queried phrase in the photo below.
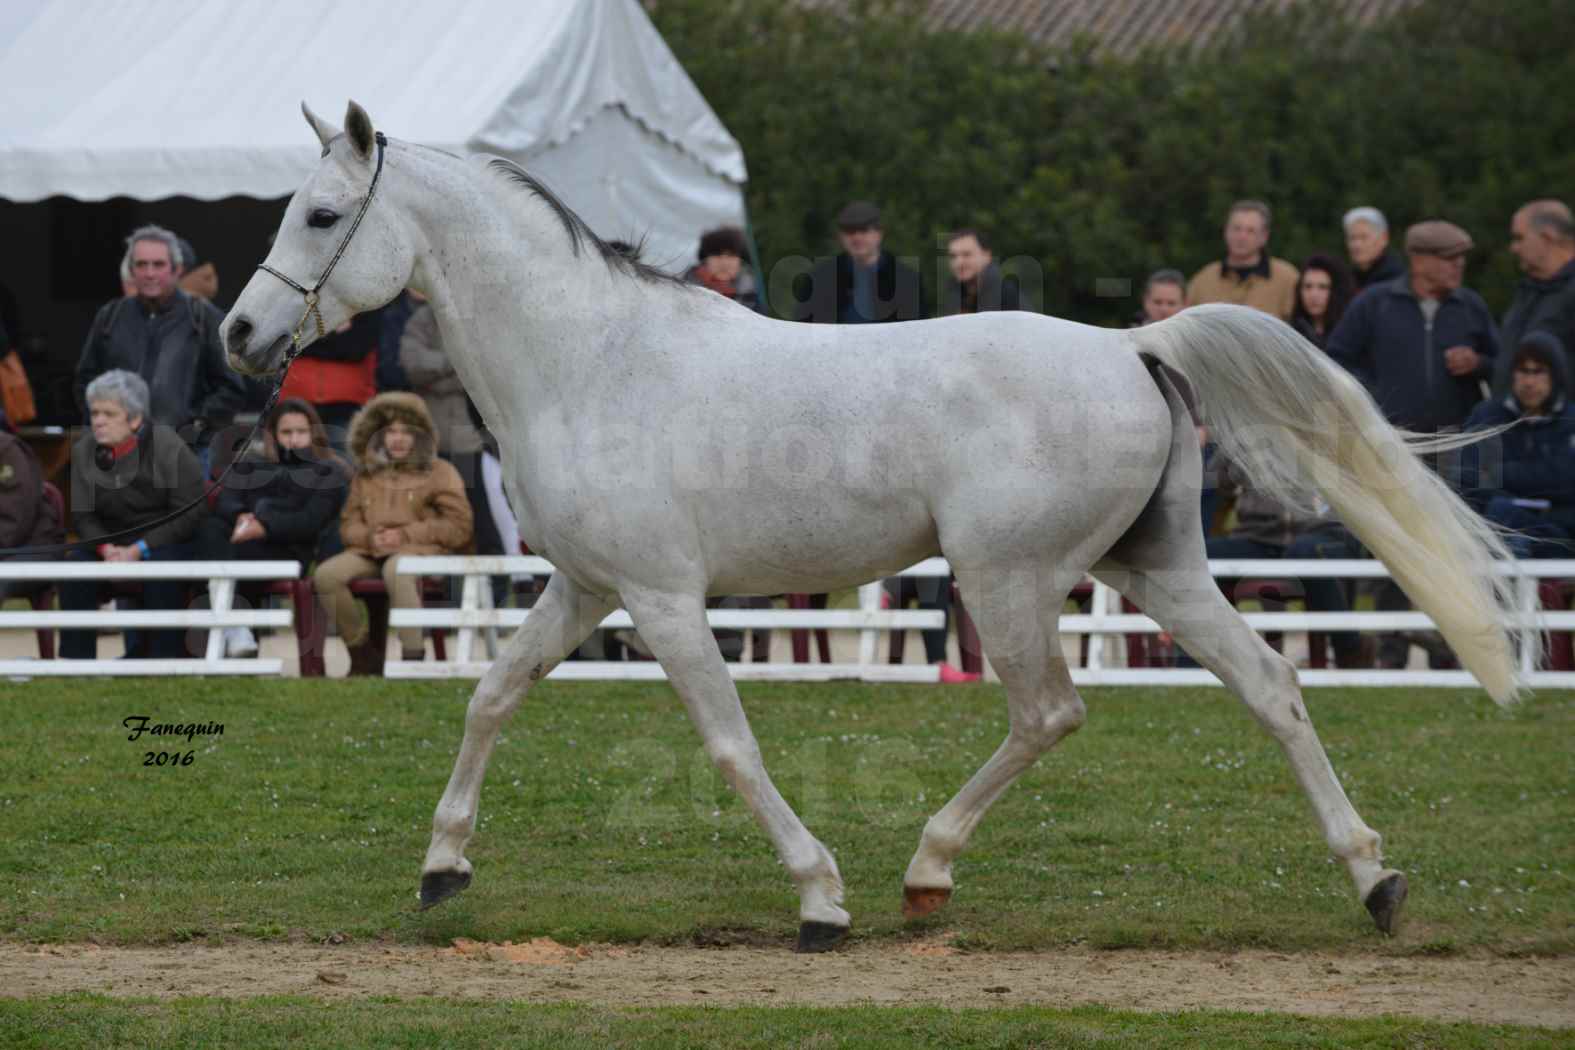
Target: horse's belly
(813, 541)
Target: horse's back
(854, 450)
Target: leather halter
(310, 294)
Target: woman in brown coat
(403, 500)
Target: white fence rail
(221, 576)
(478, 623)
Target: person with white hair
(169, 337)
(127, 474)
(1367, 245)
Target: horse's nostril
(240, 332)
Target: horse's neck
(511, 297)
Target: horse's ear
(358, 126)
(326, 132)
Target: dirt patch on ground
(1510, 991)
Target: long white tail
(1300, 425)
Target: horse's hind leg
(1016, 612)
(564, 617)
(1184, 599)
(674, 626)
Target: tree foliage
(1101, 170)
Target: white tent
(201, 98)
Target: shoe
(952, 676)
(1360, 658)
(239, 642)
(361, 659)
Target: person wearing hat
(1542, 239)
(199, 277)
(722, 266)
(862, 285)
(1422, 344)
(1524, 478)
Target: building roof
(1124, 27)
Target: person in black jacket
(975, 284)
(864, 284)
(1421, 343)
(169, 338)
(1322, 295)
(276, 504)
(127, 473)
(1524, 478)
(1367, 243)
(1542, 239)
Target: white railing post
(489, 635)
(869, 640)
(469, 601)
(221, 595)
(1099, 613)
(1526, 602)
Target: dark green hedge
(1103, 170)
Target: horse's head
(289, 297)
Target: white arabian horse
(663, 444)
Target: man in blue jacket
(1524, 479)
(1421, 343)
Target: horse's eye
(321, 219)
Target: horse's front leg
(674, 626)
(564, 617)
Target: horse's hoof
(918, 902)
(1384, 901)
(819, 936)
(439, 886)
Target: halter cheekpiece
(310, 294)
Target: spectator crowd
(375, 453)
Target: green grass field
(1169, 821)
(300, 1024)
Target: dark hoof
(819, 936)
(918, 902)
(1384, 902)
(439, 886)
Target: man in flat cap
(1421, 342)
(862, 285)
(1423, 345)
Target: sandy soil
(1490, 990)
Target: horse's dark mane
(615, 256)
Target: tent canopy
(201, 98)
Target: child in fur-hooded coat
(404, 500)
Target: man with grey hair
(1542, 240)
(1247, 274)
(1367, 245)
(167, 337)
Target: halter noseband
(310, 295)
